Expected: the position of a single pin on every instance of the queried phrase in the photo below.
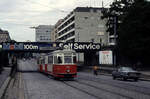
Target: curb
(107, 72)
(4, 86)
(143, 79)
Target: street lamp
(115, 41)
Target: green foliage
(117, 9)
(133, 28)
(134, 32)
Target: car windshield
(126, 69)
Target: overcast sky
(17, 16)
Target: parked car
(126, 73)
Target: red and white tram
(60, 64)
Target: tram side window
(42, 61)
(67, 59)
(74, 59)
(59, 59)
(50, 59)
(55, 60)
(38, 61)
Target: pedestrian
(95, 70)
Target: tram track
(118, 85)
(81, 90)
(97, 88)
(127, 97)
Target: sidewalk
(145, 75)
(4, 80)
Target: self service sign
(80, 46)
(36, 46)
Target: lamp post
(115, 41)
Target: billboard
(43, 46)
(29, 46)
(105, 57)
(80, 46)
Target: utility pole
(115, 29)
(102, 4)
(115, 41)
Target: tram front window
(59, 59)
(67, 59)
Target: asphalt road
(86, 86)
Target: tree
(115, 16)
(133, 26)
(116, 12)
(134, 35)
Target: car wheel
(124, 78)
(114, 77)
(135, 79)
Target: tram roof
(64, 51)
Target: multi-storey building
(83, 24)
(4, 36)
(54, 33)
(43, 33)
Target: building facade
(4, 36)
(54, 33)
(43, 33)
(83, 24)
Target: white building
(43, 33)
(83, 24)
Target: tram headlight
(68, 70)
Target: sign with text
(40, 46)
(105, 57)
(78, 46)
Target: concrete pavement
(4, 80)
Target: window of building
(112, 40)
(85, 17)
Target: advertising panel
(43, 46)
(105, 57)
(13, 46)
(80, 46)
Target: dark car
(126, 73)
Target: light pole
(115, 41)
